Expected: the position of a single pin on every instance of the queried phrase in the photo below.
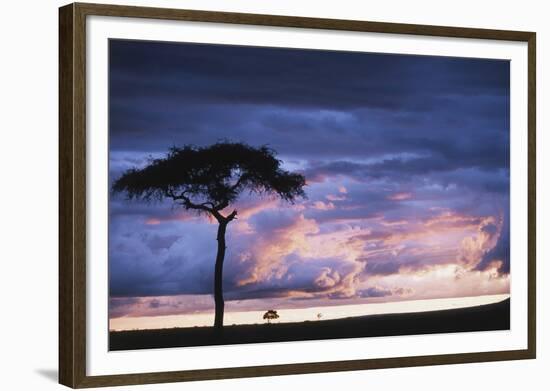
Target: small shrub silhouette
(271, 315)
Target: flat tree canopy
(210, 178)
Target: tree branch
(186, 201)
(223, 219)
(213, 209)
(232, 216)
(221, 206)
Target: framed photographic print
(249, 195)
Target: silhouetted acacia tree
(271, 315)
(207, 180)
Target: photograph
(273, 194)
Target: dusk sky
(406, 160)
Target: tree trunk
(218, 277)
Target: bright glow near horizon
(302, 314)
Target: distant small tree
(271, 315)
(207, 180)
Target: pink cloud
(400, 196)
(452, 219)
(320, 205)
(153, 221)
(443, 281)
(332, 197)
(474, 247)
(330, 262)
(394, 223)
(269, 251)
(179, 216)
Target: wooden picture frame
(73, 196)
